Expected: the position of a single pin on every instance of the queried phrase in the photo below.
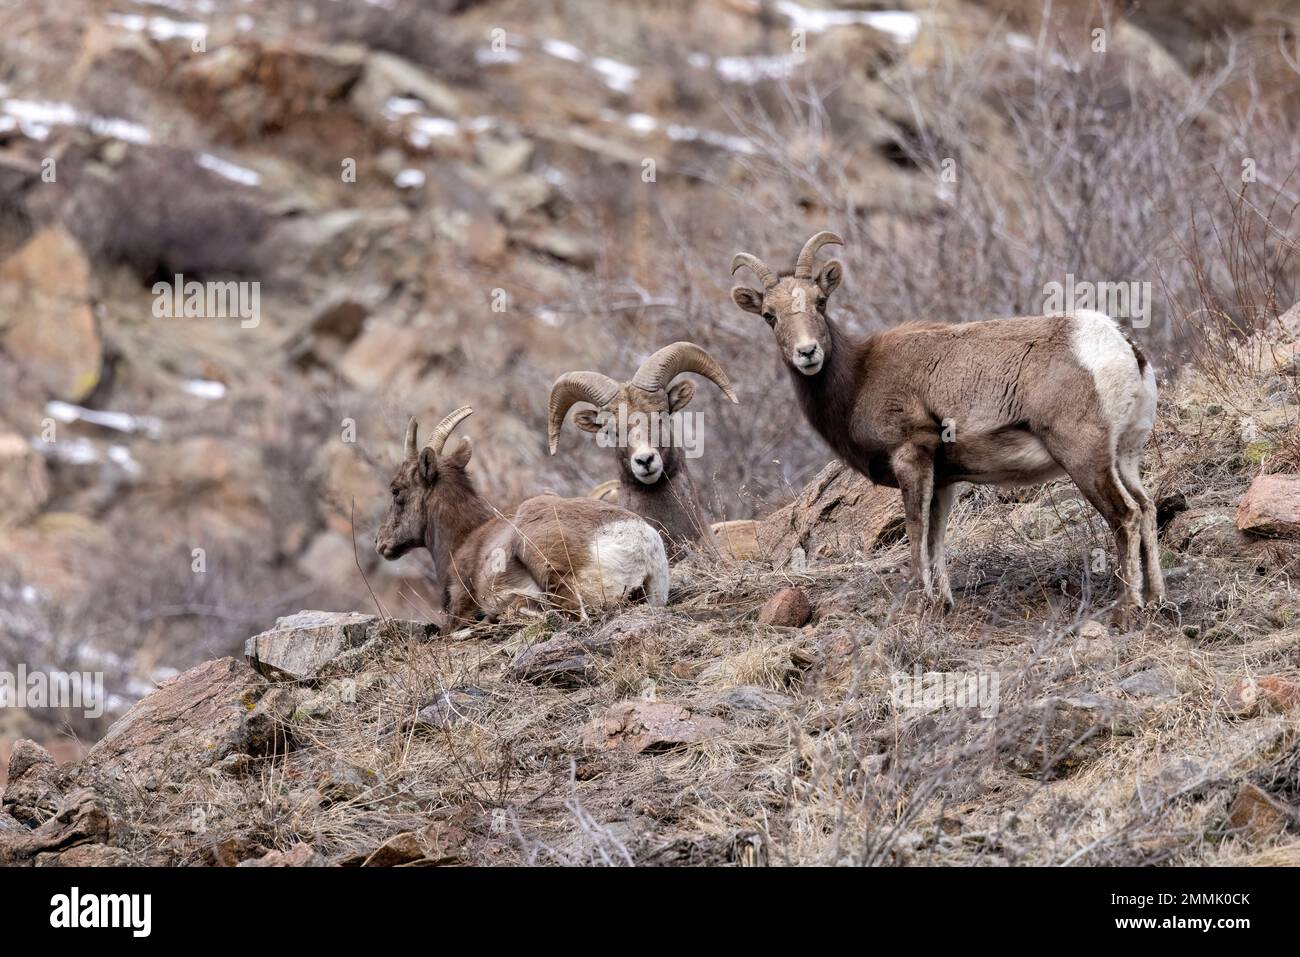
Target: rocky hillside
(448, 202)
(769, 715)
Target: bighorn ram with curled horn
(654, 481)
(577, 554)
(926, 405)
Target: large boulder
(190, 723)
(46, 323)
(838, 514)
(300, 646)
(1271, 507)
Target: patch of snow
(902, 25)
(158, 28)
(36, 118)
(228, 170)
(618, 76)
(563, 50)
(724, 141)
(121, 456)
(754, 69)
(402, 106)
(642, 123)
(118, 421)
(409, 179)
(204, 388)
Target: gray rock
(300, 646)
(452, 706)
(750, 698)
(386, 76)
(1149, 683)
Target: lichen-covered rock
(191, 722)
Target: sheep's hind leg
(1094, 471)
(914, 468)
(940, 504)
(1130, 473)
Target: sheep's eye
(821, 303)
(771, 319)
(397, 493)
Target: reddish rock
(427, 847)
(838, 514)
(300, 855)
(788, 608)
(1258, 815)
(46, 322)
(1271, 506)
(638, 726)
(1272, 692)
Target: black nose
(645, 459)
(807, 351)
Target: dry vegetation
(1126, 167)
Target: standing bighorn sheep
(1006, 401)
(654, 481)
(577, 554)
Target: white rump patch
(1127, 396)
(624, 555)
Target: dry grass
(839, 774)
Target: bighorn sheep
(925, 405)
(577, 554)
(638, 420)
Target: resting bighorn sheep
(577, 554)
(654, 481)
(925, 405)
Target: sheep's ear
(751, 300)
(830, 275)
(589, 420)
(679, 395)
(428, 465)
(460, 457)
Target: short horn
(803, 266)
(671, 361)
(760, 269)
(412, 450)
(440, 435)
(574, 387)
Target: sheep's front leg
(914, 468)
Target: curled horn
(671, 361)
(440, 435)
(412, 450)
(761, 270)
(573, 387)
(803, 266)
